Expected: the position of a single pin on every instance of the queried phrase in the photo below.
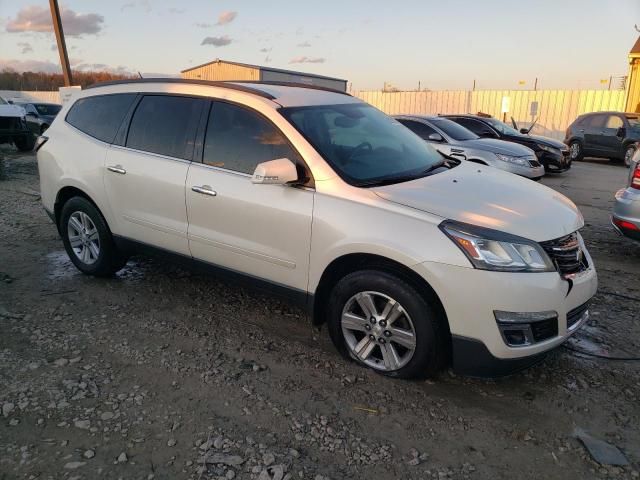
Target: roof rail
(290, 84)
(189, 81)
(240, 85)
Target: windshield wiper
(403, 178)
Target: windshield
(454, 130)
(47, 109)
(634, 122)
(2, 102)
(501, 127)
(362, 144)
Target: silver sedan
(626, 210)
(454, 140)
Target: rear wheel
(383, 323)
(575, 151)
(629, 152)
(87, 239)
(25, 143)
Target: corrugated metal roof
(261, 67)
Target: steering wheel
(362, 146)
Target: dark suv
(604, 134)
(554, 155)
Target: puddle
(61, 267)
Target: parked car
(413, 258)
(40, 115)
(554, 155)
(610, 135)
(626, 210)
(454, 140)
(13, 127)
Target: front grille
(8, 123)
(566, 254)
(544, 329)
(576, 314)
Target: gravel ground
(162, 373)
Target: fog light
(519, 329)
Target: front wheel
(628, 154)
(383, 323)
(87, 239)
(575, 151)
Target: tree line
(12, 80)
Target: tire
(576, 152)
(629, 152)
(415, 323)
(93, 252)
(25, 144)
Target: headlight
(546, 148)
(494, 250)
(515, 160)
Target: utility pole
(62, 45)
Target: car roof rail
(239, 85)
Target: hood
(497, 146)
(547, 141)
(490, 198)
(12, 111)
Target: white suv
(412, 259)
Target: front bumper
(528, 172)
(554, 163)
(470, 297)
(627, 209)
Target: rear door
(145, 176)
(593, 127)
(260, 230)
(612, 136)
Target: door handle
(116, 169)
(582, 130)
(205, 190)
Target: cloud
(226, 17)
(29, 66)
(38, 19)
(217, 41)
(144, 4)
(25, 47)
(307, 60)
(203, 25)
(177, 11)
(304, 45)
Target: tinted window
(454, 130)
(614, 121)
(100, 116)
(471, 124)
(166, 125)
(364, 145)
(47, 109)
(595, 121)
(420, 129)
(238, 139)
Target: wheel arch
(65, 194)
(353, 262)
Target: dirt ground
(162, 373)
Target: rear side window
(239, 139)
(470, 124)
(165, 125)
(595, 121)
(614, 121)
(420, 129)
(100, 116)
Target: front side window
(239, 139)
(100, 116)
(47, 109)
(165, 125)
(362, 144)
(473, 125)
(502, 127)
(614, 121)
(420, 129)
(454, 130)
(634, 122)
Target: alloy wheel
(574, 150)
(83, 237)
(378, 331)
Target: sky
(439, 45)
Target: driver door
(260, 230)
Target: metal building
(222, 70)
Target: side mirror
(435, 137)
(524, 131)
(621, 132)
(32, 115)
(275, 172)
